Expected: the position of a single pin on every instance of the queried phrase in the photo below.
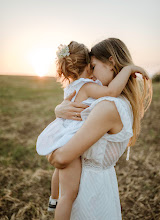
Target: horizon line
(22, 74)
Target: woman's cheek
(95, 73)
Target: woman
(111, 124)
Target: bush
(156, 77)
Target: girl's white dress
(98, 197)
(60, 131)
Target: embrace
(104, 102)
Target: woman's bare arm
(70, 110)
(102, 119)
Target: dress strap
(128, 151)
(76, 85)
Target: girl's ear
(112, 60)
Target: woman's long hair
(137, 90)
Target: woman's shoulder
(121, 100)
(121, 104)
(127, 105)
(123, 107)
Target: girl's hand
(55, 160)
(70, 110)
(49, 158)
(138, 69)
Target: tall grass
(26, 107)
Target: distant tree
(156, 77)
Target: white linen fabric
(98, 197)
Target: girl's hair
(138, 91)
(72, 66)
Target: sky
(31, 31)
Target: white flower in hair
(63, 51)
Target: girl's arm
(102, 119)
(116, 86)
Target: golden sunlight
(41, 60)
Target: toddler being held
(76, 67)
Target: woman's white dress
(98, 197)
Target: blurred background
(30, 33)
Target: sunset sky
(31, 30)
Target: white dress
(60, 131)
(98, 197)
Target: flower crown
(63, 51)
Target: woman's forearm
(100, 121)
(70, 110)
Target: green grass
(26, 107)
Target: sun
(41, 60)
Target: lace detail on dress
(93, 165)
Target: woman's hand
(138, 69)
(70, 110)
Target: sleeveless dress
(60, 131)
(98, 197)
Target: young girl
(73, 64)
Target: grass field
(26, 107)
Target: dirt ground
(26, 107)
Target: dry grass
(26, 107)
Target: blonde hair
(69, 68)
(138, 91)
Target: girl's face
(102, 71)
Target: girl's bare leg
(55, 184)
(69, 178)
